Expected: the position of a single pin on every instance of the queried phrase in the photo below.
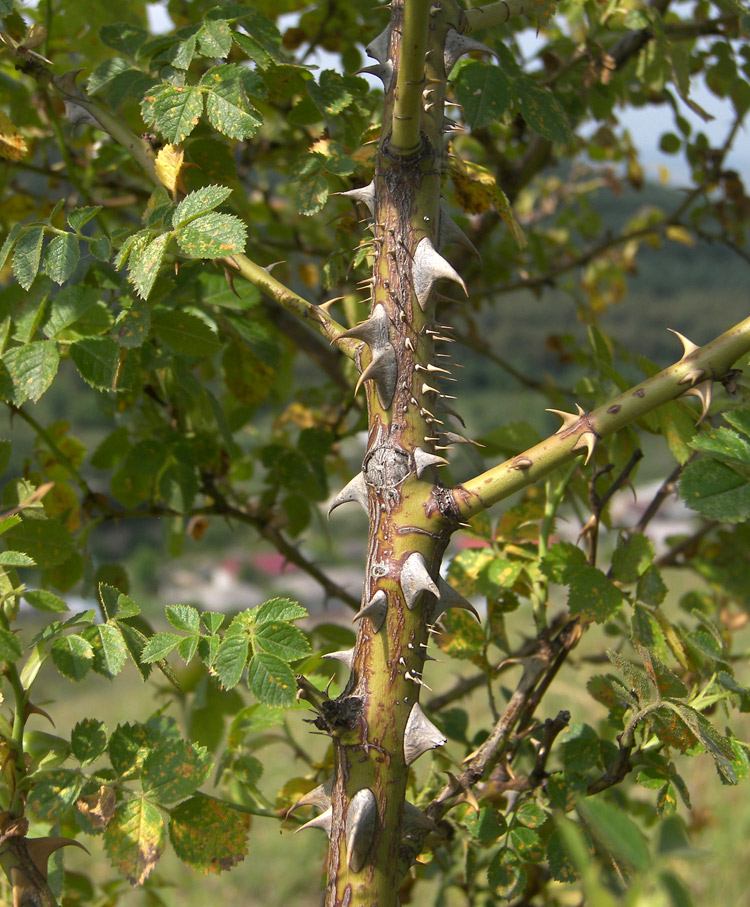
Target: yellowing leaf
(680, 235)
(169, 167)
(13, 145)
(477, 191)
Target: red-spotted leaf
(208, 834)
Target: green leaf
(72, 656)
(8, 243)
(592, 595)
(215, 38)
(144, 265)
(79, 217)
(231, 658)
(28, 255)
(159, 646)
(281, 639)
(124, 37)
(271, 680)
(312, 195)
(278, 609)
(213, 235)
(99, 362)
(506, 874)
(184, 617)
(616, 831)
(110, 651)
(541, 110)
(330, 94)
(16, 559)
(68, 307)
(32, 369)
(716, 490)
(10, 647)
(208, 834)
(43, 600)
(46, 541)
(174, 110)
(186, 333)
(483, 91)
(212, 620)
(580, 749)
(54, 793)
(227, 105)
(199, 202)
(132, 326)
(135, 839)
(88, 740)
(175, 771)
(632, 557)
(61, 257)
(134, 480)
(486, 826)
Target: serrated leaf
(632, 557)
(174, 110)
(61, 257)
(227, 105)
(135, 839)
(716, 490)
(13, 146)
(483, 91)
(88, 740)
(67, 307)
(330, 94)
(46, 541)
(32, 369)
(541, 110)
(8, 243)
(281, 639)
(43, 600)
(132, 326)
(592, 595)
(278, 609)
(486, 826)
(99, 362)
(185, 333)
(184, 617)
(54, 793)
(144, 264)
(312, 195)
(215, 38)
(208, 834)
(231, 658)
(212, 620)
(168, 166)
(175, 771)
(199, 202)
(16, 559)
(28, 256)
(10, 646)
(213, 235)
(72, 656)
(506, 874)
(110, 651)
(79, 217)
(270, 679)
(159, 646)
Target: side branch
(704, 364)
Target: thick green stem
(706, 363)
(407, 108)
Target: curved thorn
(415, 819)
(420, 735)
(376, 609)
(374, 330)
(568, 419)
(363, 194)
(587, 442)
(429, 267)
(456, 45)
(449, 232)
(361, 818)
(345, 656)
(423, 460)
(383, 370)
(687, 345)
(450, 598)
(379, 46)
(382, 71)
(324, 821)
(355, 490)
(415, 579)
(704, 392)
(319, 796)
